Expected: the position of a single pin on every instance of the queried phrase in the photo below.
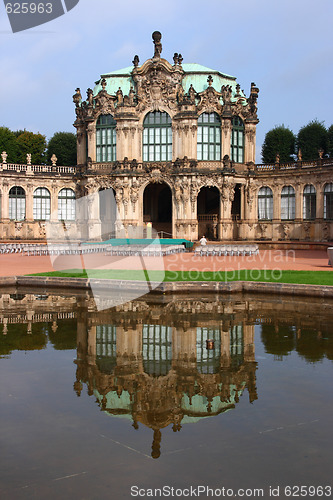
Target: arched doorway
(157, 208)
(107, 213)
(236, 211)
(208, 212)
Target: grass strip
(263, 275)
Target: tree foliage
(8, 143)
(312, 138)
(280, 140)
(63, 145)
(35, 144)
(330, 141)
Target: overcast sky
(285, 47)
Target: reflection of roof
(193, 409)
(195, 74)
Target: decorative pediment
(104, 104)
(157, 85)
(210, 99)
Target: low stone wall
(285, 289)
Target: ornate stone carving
(210, 101)
(158, 88)
(54, 160)
(4, 157)
(157, 42)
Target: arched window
(17, 203)
(328, 202)
(105, 139)
(288, 203)
(66, 204)
(265, 203)
(209, 137)
(157, 137)
(42, 204)
(309, 202)
(237, 140)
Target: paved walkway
(308, 260)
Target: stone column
(54, 204)
(29, 203)
(320, 201)
(276, 204)
(299, 201)
(249, 142)
(91, 136)
(5, 202)
(81, 145)
(226, 131)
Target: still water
(118, 403)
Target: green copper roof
(195, 74)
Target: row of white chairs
(223, 250)
(150, 250)
(78, 249)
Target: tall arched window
(265, 203)
(105, 139)
(42, 204)
(157, 349)
(288, 203)
(309, 202)
(157, 137)
(237, 140)
(66, 204)
(328, 202)
(209, 137)
(17, 203)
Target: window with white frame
(237, 140)
(328, 202)
(209, 137)
(288, 203)
(105, 139)
(17, 203)
(66, 204)
(42, 204)
(157, 349)
(265, 203)
(157, 137)
(309, 202)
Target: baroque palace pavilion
(172, 145)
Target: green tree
(311, 138)
(330, 141)
(63, 145)
(280, 140)
(8, 143)
(35, 144)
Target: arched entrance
(236, 211)
(157, 208)
(208, 212)
(107, 213)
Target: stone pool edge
(170, 286)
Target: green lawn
(273, 276)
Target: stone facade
(175, 146)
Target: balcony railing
(36, 169)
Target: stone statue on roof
(157, 42)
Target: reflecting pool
(170, 391)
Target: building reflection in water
(157, 368)
(166, 360)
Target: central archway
(208, 212)
(157, 208)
